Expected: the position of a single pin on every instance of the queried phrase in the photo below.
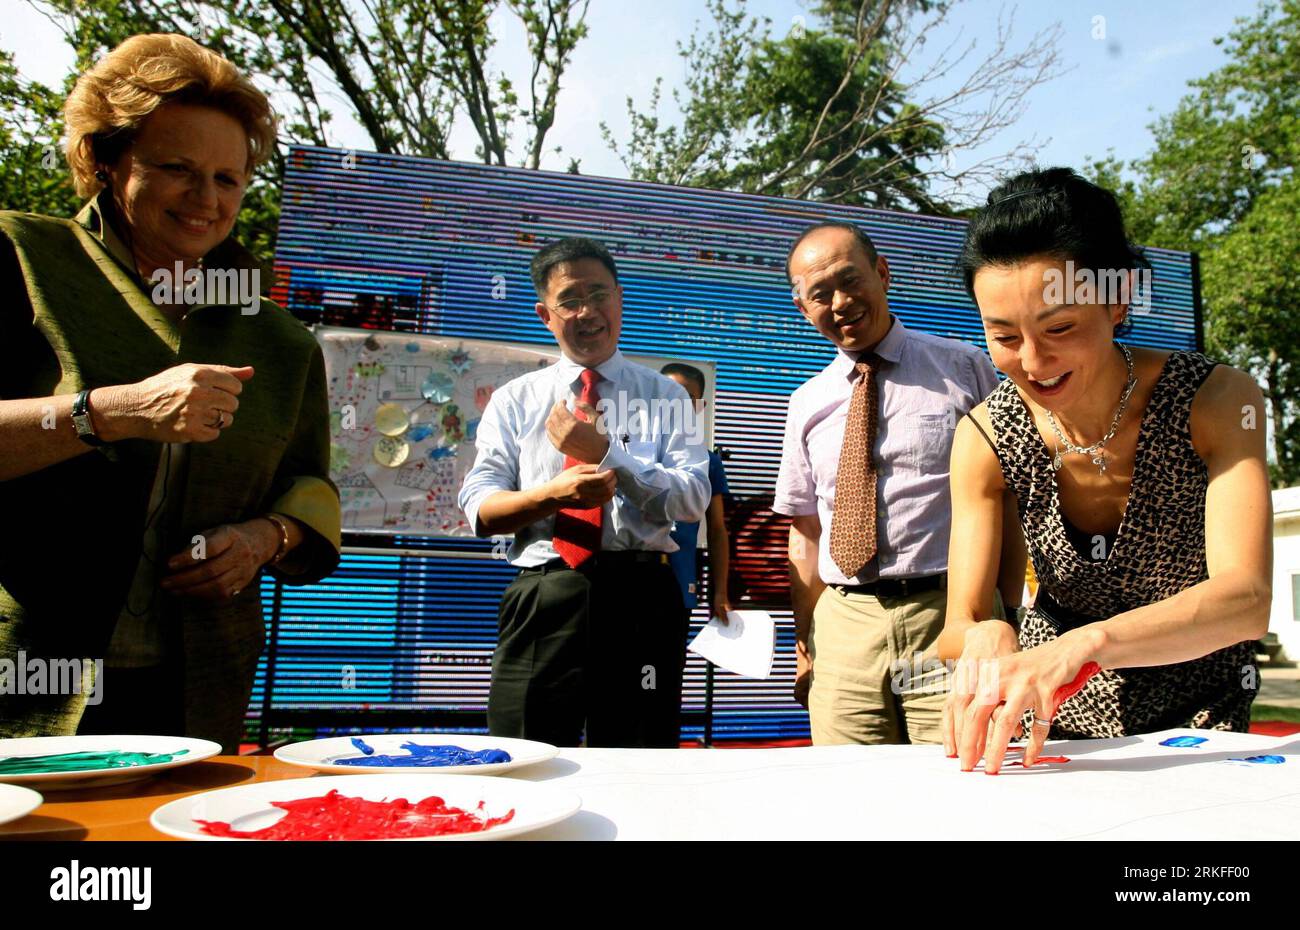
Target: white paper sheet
(1127, 788)
(746, 645)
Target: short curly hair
(111, 100)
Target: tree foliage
(1251, 294)
(34, 178)
(1221, 180)
(405, 70)
(823, 113)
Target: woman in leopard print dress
(1140, 485)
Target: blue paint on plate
(425, 756)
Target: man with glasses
(587, 463)
(864, 474)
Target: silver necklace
(1095, 450)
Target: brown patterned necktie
(853, 524)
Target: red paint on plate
(337, 817)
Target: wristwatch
(81, 420)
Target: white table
(1117, 789)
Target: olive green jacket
(75, 315)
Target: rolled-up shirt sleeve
(675, 486)
(496, 466)
(796, 491)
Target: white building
(1284, 621)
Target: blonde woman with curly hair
(163, 427)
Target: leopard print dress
(1159, 550)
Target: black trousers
(598, 650)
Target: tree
(406, 69)
(33, 179)
(823, 114)
(1221, 180)
(1252, 292)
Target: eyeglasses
(572, 306)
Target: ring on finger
(1040, 722)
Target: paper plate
(323, 754)
(17, 802)
(196, 751)
(249, 807)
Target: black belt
(1063, 618)
(616, 558)
(897, 587)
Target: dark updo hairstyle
(1049, 212)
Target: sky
(1123, 65)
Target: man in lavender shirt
(862, 642)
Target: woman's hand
(985, 643)
(1038, 679)
(185, 403)
(224, 562)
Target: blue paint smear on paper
(425, 756)
(421, 432)
(1262, 760)
(1183, 742)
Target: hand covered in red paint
(1038, 679)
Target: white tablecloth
(1127, 788)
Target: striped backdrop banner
(402, 635)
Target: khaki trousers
(866, 651)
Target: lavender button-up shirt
(925, 385)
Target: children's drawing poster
(404, 410)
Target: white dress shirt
(656, 449)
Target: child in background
(683, 561)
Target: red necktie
(577, 532)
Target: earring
(101, 176)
